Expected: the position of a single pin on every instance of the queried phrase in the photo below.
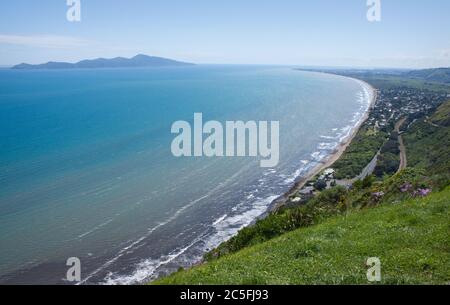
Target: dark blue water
(86, 168)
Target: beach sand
(329, 161)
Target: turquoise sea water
(86, 168)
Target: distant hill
(425, 79)
(137, 61)
(440, 75)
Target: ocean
(86, 168)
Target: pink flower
(422, 192)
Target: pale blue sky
(412, 33)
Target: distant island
(138, 61)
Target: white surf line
(140, 275)
(146, 198)
(150, 231)
(219, 220)
(96, 228)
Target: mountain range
(137, 61)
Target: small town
(395, 104)
(392, 105)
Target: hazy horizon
(242, 64)
(302, 33)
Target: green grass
(327, 204)
(359, 153)
(411, 238)
(442, 115)
(427, 145)
(328, 240)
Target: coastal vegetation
(437, 80)
(399, 215)
(389, 160)
(334, 201)
(398, 81)
(440, 75)
(427, 145)
(328, 203)
(396, 102)
(410, 237)
(360, 152)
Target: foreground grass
(411, 238)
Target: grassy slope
(427, 144)
(412, 239)
(441, 116)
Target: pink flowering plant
(422, 192)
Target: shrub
(326, 204)
(320, 185)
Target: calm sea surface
(86, 169)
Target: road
(403, 159)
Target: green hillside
(442, 115)
(441, 75)
(403, 219)
(412, 239)
(428, 144)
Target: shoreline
(323, 164)
(332, 158)
(326, 162)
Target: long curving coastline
(210, 218)
(368, 98)
(327, 161)
(330, 160)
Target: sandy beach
(330, 160)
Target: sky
(410, 34)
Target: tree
(320, 185)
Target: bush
(388, 164)
(359, 153)
(326, 204)
(320, 185)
